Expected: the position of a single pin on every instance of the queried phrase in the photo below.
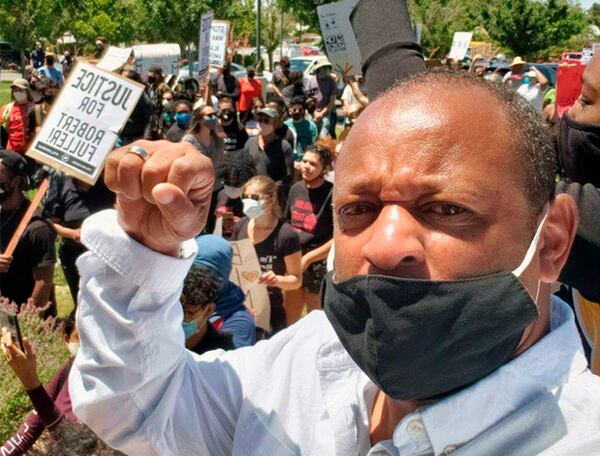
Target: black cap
(155, 69)
(14, 162)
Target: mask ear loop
(533, 246)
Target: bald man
(439, 334)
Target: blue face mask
(183, 119)
(189, 328)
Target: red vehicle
(571, 57)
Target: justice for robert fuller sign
(84, 122)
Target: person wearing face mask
(50, 72)
(533, 87)
(208, 287)
(439, 335)
(277, 244)
(310, 213)
(234, 173)
(579, 157)
(251, 124)
(295, 89)
(206, 135)
(37, 56)
(235, 133)
(51, 404)
(68, 62)
(18, 117)
(227, 85)
(168, 115)
(323, 88)
(271, 155)
(304, 128)
(29, 272)
(250, 88)
(182, 121)
(156, 88)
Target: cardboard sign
(569, 79)
(460, 45)
(340, 42)
(114, 58)
(219, 35)
(204, 44)
(84, 122)
(245, 273)
(165, 56)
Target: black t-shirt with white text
(310, 213)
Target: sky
(587, 3)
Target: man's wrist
(30, 383)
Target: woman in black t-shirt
(310, 213)
(277, 244)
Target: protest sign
(246, 273)
(166, 56)
(569, 79)
(84, 122)
(340, 42)
(219, 35)
(204, 44)
(460, 45)
(114, 58)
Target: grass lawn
(64, 302)
(4, 92)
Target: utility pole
(258, 53)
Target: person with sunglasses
(271, 155)
(205, 135)
(277, 244)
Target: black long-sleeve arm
(385, 37)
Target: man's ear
(212, 306)
(557, 237)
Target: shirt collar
(547, 365)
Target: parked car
(571, 57)
(8, 54)
(236, 69)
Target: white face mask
(73, 347)
(20, 97)
(232, 192)
(253, 209)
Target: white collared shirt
(137, 387)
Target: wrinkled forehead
(443, 131)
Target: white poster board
(460, 45)
(85, 120)
(219, 35)
(588, 53)
(164, 55)
(204, 43)
(245, 273)
(114, 58)
(340, 42)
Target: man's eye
(446, 210)
(357, 216)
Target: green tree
(593, 14)
(273, 27)
(528, 27)
(304, 11)
(22, 22)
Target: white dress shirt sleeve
(133, 382)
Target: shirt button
(449, 449)
(415, 427)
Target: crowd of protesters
(274, 158)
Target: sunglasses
(252, 197)
(264, 120)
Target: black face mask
(579, 150)
(421, 339)
(49, 98)
(152, 79)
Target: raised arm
(133, 382)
